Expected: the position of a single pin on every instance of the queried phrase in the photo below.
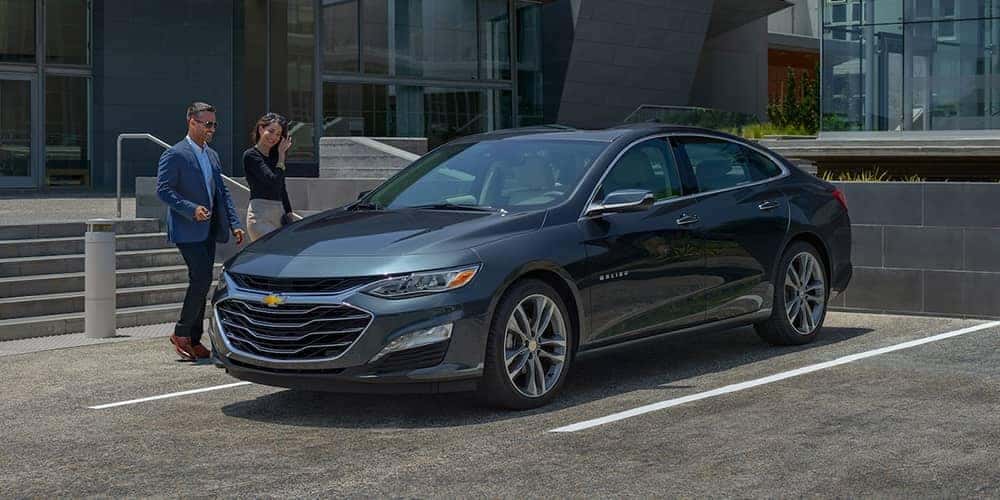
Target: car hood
(394, 232)
(378, 242)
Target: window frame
(684, 168)
(668, 152)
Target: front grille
(291, 331)
(411, 359)
(297, 285)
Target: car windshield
(514, 175)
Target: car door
(743, 220)
(644, 268)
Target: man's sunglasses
(207, 124)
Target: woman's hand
(283, 147)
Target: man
(189, 181)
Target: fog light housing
(418, 338)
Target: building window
(839, 13)
(17, 31)
(15, 128)
(67, 159)
(67, 39)
(340, 36)
(45, 93)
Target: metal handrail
(164, 145)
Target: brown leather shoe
(183, 347)
(200, 351)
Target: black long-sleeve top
(267, 181)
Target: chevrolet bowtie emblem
(273, 300)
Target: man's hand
(201, 214)
(238, 233)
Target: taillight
(839, 195)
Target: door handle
(768, 205)
(686, 219)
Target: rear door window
(720, 164)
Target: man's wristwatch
(281, 165)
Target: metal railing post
(164, 145)
(118, 169)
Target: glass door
(18, 140)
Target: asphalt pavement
(918, 421)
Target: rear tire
(529, 348)
(801, 293)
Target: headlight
(424, 283)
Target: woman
(264, 164)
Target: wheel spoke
(807, 271)
(540, 305)
(559, 358)
(810, 321)
(531, 378)
(540, 377)
(512, 326)
(552, 341)
(794, 275)
(793, 305)
(546, 320)
(522, 320)
(510, 359)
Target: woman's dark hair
(264, 121)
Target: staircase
(42, 278)
(360, 158)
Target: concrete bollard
(99, 279)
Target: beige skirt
(263, 216)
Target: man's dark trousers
(200, 260)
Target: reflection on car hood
(393, 232)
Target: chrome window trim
(785, 172)
(234, 293)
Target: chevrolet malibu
(488, 264)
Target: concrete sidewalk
(53, 207)
(38, 344)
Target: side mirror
(623, 200)
(363, 193)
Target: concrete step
(75, 245)
(59, 324)
(69, 229)
(338, 146)
(54, 264)
(357, 173)
(73, 302)
(20, 286)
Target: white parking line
(766, 380)
(165, 396)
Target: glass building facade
(901, 65)
(45, 93)
(389, 68)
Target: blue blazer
(181, 185)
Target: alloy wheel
(535, 345)
(805, 293)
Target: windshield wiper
(365, 206)
(454, 206)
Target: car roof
(559, 132)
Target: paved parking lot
(921, 421)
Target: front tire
(801, 295)
(529, 348)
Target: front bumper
(352, 371)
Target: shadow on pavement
(657, 364)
